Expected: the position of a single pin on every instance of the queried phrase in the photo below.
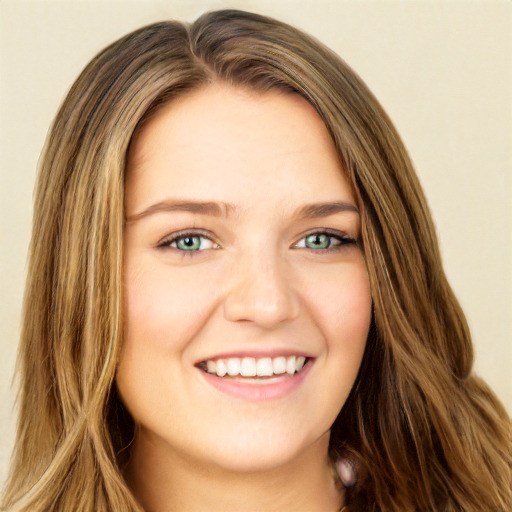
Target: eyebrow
(228, 210)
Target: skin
(257, 283)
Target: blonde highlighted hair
(422, 430)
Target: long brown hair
(423, 432)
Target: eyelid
(327, 231)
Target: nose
(259, 290)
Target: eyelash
(166, 242)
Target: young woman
(235, 297)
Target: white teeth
(233, 366)
(299, 363)
(264, 367)
(248, 367)
(211, 366)
(279, 365)
(290, 365)
(221, 368)
(252, 367)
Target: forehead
(236, 145)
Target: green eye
(318, 241)
(322, 241)
(190, 242)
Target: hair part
(422, 430)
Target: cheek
(344, 315)
(163, 310)
(343, 306)
(163, 307)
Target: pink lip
(278, 388)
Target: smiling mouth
(250, 367)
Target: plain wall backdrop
(441, 69)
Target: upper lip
(256, 354)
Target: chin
(262, 450)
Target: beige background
(442, 70)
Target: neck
(164, 481)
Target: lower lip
(255, 391)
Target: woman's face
(232, 264)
